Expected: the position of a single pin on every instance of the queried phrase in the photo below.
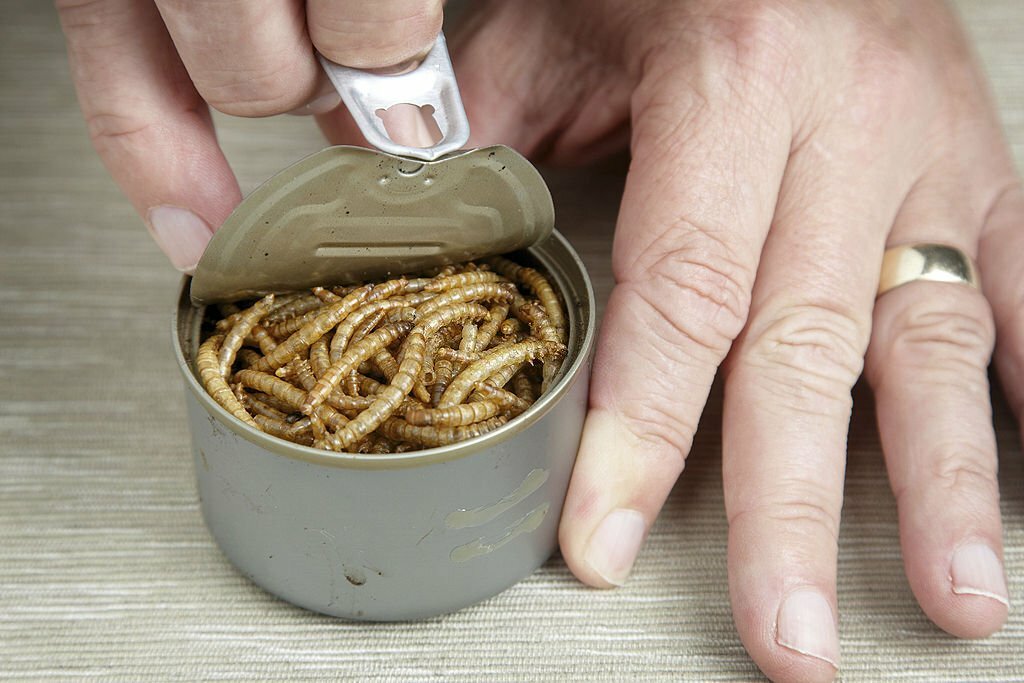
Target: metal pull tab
(431, 87)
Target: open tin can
(399, 536)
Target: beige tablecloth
(106, 569)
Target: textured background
(106, 570)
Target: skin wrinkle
(835, 336)
(799, 515)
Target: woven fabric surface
(106, 569)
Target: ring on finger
(908, 263)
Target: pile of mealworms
(389, 367)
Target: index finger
(148, 123)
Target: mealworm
(433, 325)
(347, 328)
(523, 387)
(384, 405)
(490, 327)
(318, 357)
(538, 284)
(492, 362)
(262, 338)
(357, 353)
(326, 295)
(293, 396)
(299, 432)
(256, 407)
(469, 334)
(368, 326)
(462, 414)
(442, 339)
(457, 356)
(313, 330)
(387, 400)
(291, 306)
(284, 329)
(485, 391)
(387, 289)
(273, 402)
(541, 327)
(462, 279)
(350, 384)
(418, 284)
(400, 430)
(386, 363)
(239, 331)
(504, 375)
(303, 373)
(482, 291)
(208, 367)
(319, 433)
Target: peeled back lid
(348, 214)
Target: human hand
(778, 148)
(146, 72)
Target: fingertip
(611, 551)
(606, 516)
(181, 235)
(794, 638)
(969, 597)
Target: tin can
(400, 536)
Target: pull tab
(430, 88)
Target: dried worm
(313, 330)
(239, 331)
(208, 367)
(494, 361)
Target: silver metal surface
(347, 214)
(432, 84)
(403, 536)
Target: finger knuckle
(694, 285)
(262, 90)
(656, 424)
(808, 353)
(946, 339)
(110, 129)
(759, 38)
(808, 517)
(965, 467)
(886, 82)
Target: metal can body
(403, 536)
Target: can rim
(427, 456)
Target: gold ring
(923, 261)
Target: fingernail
(181, 235)
(319, 105)
(614, 546)
(806, 624)
(976, 570)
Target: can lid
(347, 214)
